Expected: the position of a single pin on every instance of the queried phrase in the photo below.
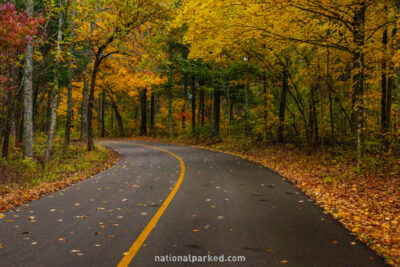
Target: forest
(317, 82)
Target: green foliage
(28, 172)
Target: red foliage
(15, 30)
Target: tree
(55, 92)
(28, 98)
(14, 27)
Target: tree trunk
(85, 93)
(90, 144)
(28, 126)
(282, 105)
(202, 107)
(169, 91)
(143, 111)
(117, 113)
(102, 119)
(330, 95)
(246, 110)
(170, 125)
(152, 110)
(34, 110)
(217, 112)
(70, 78)
(21, 129)
(7, 127)
(313, 118)
(194, 105)
(10, 112)
(53, 118)
(265, 112)
(48, 112)
(358, 80)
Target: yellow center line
(149, 227)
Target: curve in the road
(149, 227)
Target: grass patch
(23, 180)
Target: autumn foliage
(317, 81)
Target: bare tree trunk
(143, 111)
(265, 102)
(56, 86)
(102, 118)
(330, 93)
(246, 110)
(6, 131)
(152, 110)
(313, 116)
(217, 112)
(170, 122)
(70, 78)
(202, 107)
(28, 125)
(194, 105)
(48, 112)
(358, 79)
(97, 62)
(117, 113)
(85, 93)
(85, 103)
(282, 105)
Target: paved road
(225, 206)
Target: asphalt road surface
(214, 204)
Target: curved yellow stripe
(149, 227)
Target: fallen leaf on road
(196, 230)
